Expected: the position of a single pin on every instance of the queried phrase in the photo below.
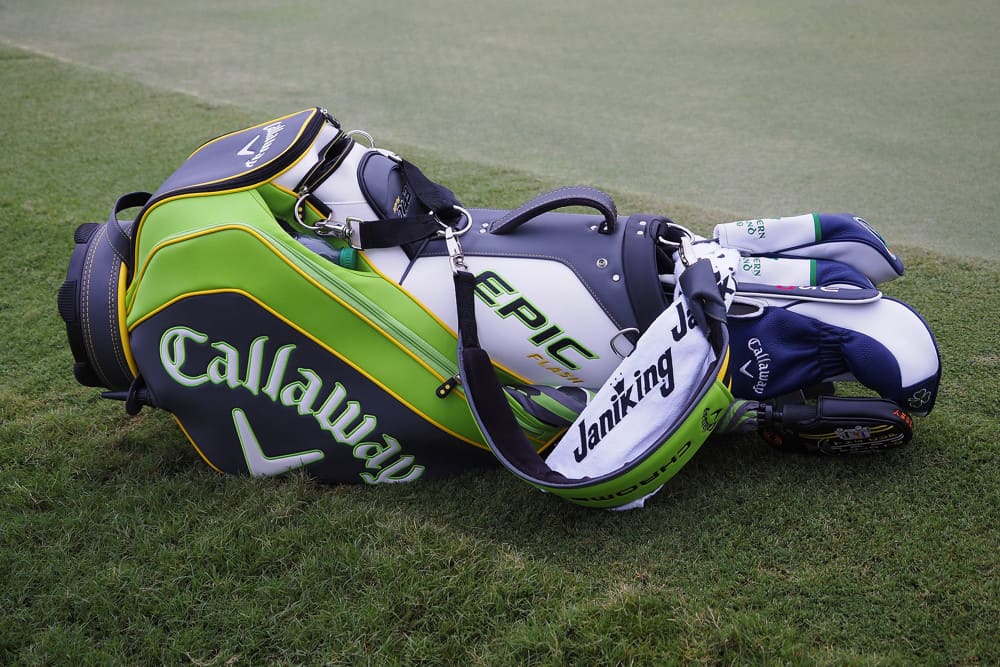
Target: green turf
(119, 546)
(769, 107)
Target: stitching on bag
(85, 316)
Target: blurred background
(889, 110)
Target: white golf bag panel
(538, 314)
(554, 296)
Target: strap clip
(456, 255)
(348, 231)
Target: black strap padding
(397, 231)
(465, 303)
(486, 397)
(701, 291)
(118, 235)
(576, 195)
(435, 197)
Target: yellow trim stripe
(182, 195)
(303, 274)
(123, 320)
(196, 447)
(724, 367)
(321, 344)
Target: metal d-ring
(623, 335)
(370, 138)
(456, 231)
(297, 214)
(674, 245)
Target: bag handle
(576, 195)
(119, 237)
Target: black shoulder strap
(670, 444)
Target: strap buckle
(456, 256)
(348, 230)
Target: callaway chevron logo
(270, 134)
(260, 464)
(302, 390)
(247, 150)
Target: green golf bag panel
(271, 354)
(263, 350)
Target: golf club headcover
(792, 343)
(755, 270)
(826, 424)
(807, 310)
(841, 237)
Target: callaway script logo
(270, 134)
(268, 375)
(761, 363)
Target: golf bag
(300, 299)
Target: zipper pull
(329, 117)
(447, 386)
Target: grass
(119, 546)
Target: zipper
(440, 364)
(448, 386)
